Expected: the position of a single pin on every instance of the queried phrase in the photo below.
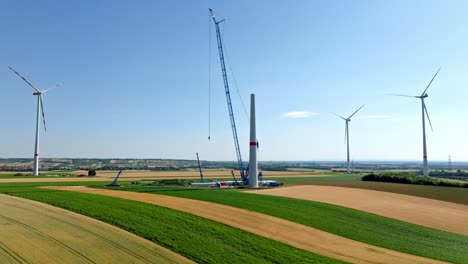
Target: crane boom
(242, 171)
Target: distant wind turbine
(424, 110)
(40, 105)
(347, 133)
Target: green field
(196, 238)
(47, 174)
(365, 227)
(307, 180)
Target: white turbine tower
(40, 105)
(424, 110)
(347, 133)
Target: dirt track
(291, 233)
(33, 232)
(436, 214)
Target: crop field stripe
(450, 217)
(199, 239)
(353, 224)
(52, 239)
(274, 228)
(14, 257)
(448, 194)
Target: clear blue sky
(136, 78)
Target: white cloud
(373, 117)
(298, 114)
(406, 118)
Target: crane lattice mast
(242, 171)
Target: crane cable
(233, 76)
(209, 76)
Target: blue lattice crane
(242, 170)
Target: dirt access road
(432, 213)
(278, 229)
(33, 232)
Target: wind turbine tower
(347, 135)
(424, 113)
(40, 108)
(450, 162)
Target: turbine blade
(24, 79)
(430, 82)
(356, 111)
(52, 88)
(403, 95)
(427, 114)
(339, 116)
(43, 115)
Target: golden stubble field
(33, 232)
(215, 173)
(109, 175)
(278, 229)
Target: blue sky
(136, 78)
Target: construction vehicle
(115, 183)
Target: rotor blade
(50, 89)
(427, 114)
(42, 111)
(24, 79)
(404, 95)
(339, 116)
(430, 82)
(356, 111)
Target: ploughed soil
(432, 213)
(278, 229)
(34, 232)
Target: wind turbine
(347, 133)
(40, 105)
(424, 110)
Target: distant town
(48, 164)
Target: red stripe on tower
(36, 155)
(253, 143)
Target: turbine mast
(36, 146)
(347, 144)
(425, 169)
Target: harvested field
(154, 175)
(140, 174)
(436, 214)
(448, 194)
(34, 232)
(291, 233)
